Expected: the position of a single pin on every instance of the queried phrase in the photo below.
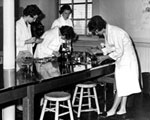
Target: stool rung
(50, 109)
(64, 106)
(82, 105)
(88, 110)
(89, 96)
(65, 113)
(85, 96)
(75, 111)
(83, 93)
(77, 97)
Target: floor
(138, 108)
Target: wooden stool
(85, 92)
(57, 97)
(103, 81)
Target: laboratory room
(75, 60)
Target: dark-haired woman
(49, 48)
(24, 39)
(64, 19)
(119, 47)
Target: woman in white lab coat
(64, 19)
(49, 48)
(24, 39)
(118, 46)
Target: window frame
(86, 19)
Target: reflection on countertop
(30, 75)
(39, 72)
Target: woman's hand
(39, 40)
(102, 45)
(31, 40)
(94, 50)
(56, 53)
(102, 58)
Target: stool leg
(74, 96)
(96, 100)
(70, 110)
(42, 101)
(43, 109)
(56, 110)
(89, 98)
(80, 103)
(105, 95)
(114, 88)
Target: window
(82, 12)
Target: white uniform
(51, 42)
(23, 32)
(62, 22)
(120, 48)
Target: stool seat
(87, 85)
(57, 96)
(56, 101)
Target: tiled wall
(143, 50)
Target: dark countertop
(25, 78)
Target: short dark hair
(32, 10)
(68, 32)
(65, 7)
(96, 23)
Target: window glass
(89, 11)
(79, 26)
(65, 1)
(79, 11)
(82, 12)
(79, 1)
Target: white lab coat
(62, 22)
(119, 47)
(52, 42)
(23, 32)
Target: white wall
(131, 15)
